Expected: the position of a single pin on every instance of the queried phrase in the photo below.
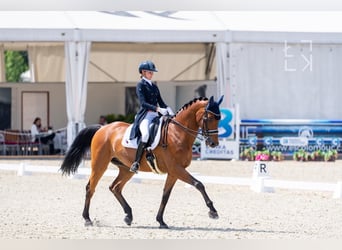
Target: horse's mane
(185, 106)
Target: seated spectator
(102, 120)
(42, 135)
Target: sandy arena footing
(49, 206)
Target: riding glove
(169, 110)
(163, 111)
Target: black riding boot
(135, 166)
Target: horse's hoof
(88, 223)
(213, 215)
(163, 226)
(128, 220)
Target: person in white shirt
(42, 135)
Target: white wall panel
(302, 82)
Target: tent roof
(281, 21)
(168, 26)
(278, 26)
(113, 29)
(116, 26)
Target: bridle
(204, 133)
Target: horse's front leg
(199, 185)
(169, 183)
(188, 178)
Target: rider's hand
(169, 110)
(163, 111)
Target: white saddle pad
(126, 142)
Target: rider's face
(147, 74)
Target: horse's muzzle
(209, 142)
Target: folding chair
(12, 141)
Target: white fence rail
(263, 183)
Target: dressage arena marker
(21, 169)
(260, 174)
(25, 168)
(338, 191)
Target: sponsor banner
(291, 144)
(225, 150)
(290, 135)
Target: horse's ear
(220, 100)
(211, 99)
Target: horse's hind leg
(169, 183)
(85, 213)
(98, 167)
(116, 188)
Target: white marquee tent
(187, 45)
(78, 30)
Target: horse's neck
(188, 115)
(187, 118)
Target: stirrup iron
(135, 167)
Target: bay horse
(199, 117)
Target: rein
(202, 135)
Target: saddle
(155, 135)
(153, 141)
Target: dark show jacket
(149, 98)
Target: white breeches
(144, 125)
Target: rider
(151, 103)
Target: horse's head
(207, 117)
(211, 118)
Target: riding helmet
(147, 65)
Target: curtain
(77, 57)
(47, 62)
(222, 61)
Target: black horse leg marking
(188, 178)
(169, 184)
(212, 213)
(85, 213)
(116, 188)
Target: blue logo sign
(335, 142)
(252, 140)
(319, 141)
(268, 140)
(225, 123)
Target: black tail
(78, 149)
